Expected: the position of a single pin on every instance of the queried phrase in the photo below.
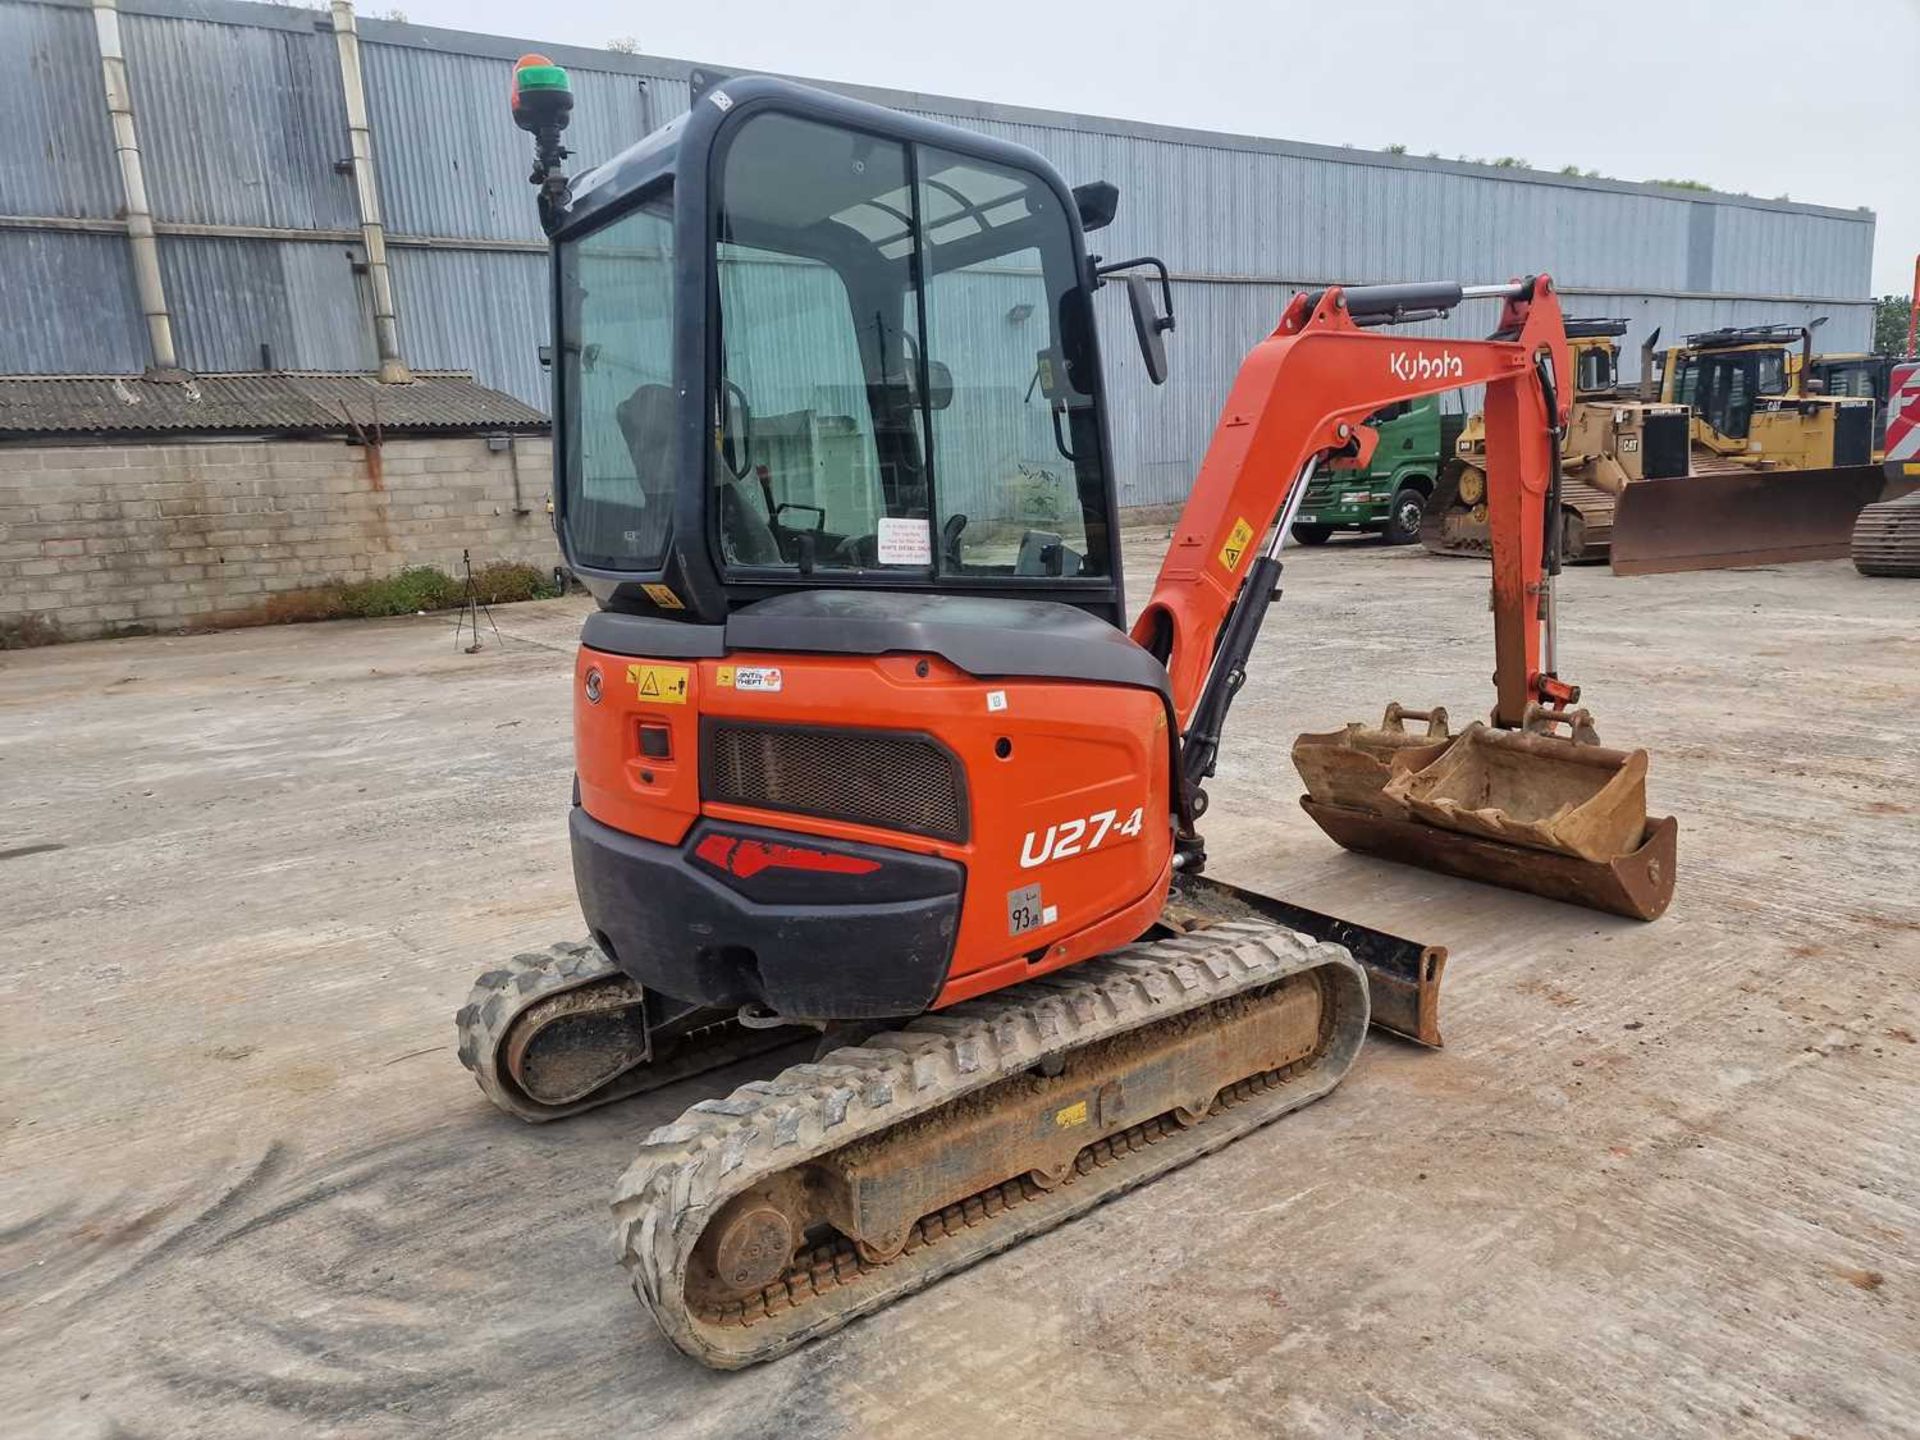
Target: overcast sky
(1813, 101)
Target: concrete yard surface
(1663, 1179)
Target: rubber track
(500, 996)
(687, 1170)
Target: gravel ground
(1662, 1180)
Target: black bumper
(809, 928)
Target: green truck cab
(1390, 495)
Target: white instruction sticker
(754, 677)
(905, 542)
(996, 700)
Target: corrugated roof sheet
(311, 403)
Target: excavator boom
(1302, 394)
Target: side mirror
(939, 385)
(1150, 327)
(1097, 201)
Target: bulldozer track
(1886, 538)
(1586, 518)
(687, 1171)
(503, 995)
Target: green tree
(1890, 324)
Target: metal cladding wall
(242, 121)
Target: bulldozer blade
(1725, 518)
(1403, 976)
(1637, 884)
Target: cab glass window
(616, 360)
(1770, 373)
(1015, 443)
(903, 367)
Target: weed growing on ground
(419, 587)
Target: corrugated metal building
(244, 129)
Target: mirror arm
(1101, 272)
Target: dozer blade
(1403, 976)
(1726, 518)
(1527, 810)
(753, 1224)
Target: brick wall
(98, 538)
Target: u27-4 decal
(1078, 836)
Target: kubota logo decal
(1071, 837)
(1418, 365)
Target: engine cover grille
(890, 779)
(1853, 435)
(1666, 440)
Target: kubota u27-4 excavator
(864, 744)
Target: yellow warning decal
(723, 676)
(1074, 1114)
(662, 684)
(663, 596)
(1238, 539)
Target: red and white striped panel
(1903, 413)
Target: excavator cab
(802, 355)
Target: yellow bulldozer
(1752, 407)
(1780, 469)
(1612, 440)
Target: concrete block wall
(96, 539)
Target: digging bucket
(1532, 788)
(1351, 766)
(1526, 810)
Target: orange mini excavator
(865, 751)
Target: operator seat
(647, 420)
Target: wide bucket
(1351, 766)
(1523, 787)
(1525, 810)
